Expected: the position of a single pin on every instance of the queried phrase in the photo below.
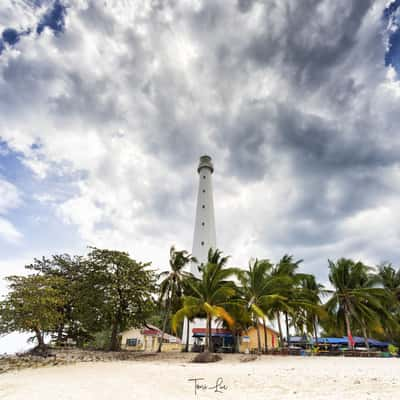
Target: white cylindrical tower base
(204, 236)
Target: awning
(340, 341)
(216, 332)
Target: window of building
(131, 342)
(204, 177)
(204, 190)
(202, 243)
(203, 206)
(202, 224)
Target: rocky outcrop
(65, 356)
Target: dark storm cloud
(246, 136)
(88, 97)
(245, 5)
(287, 97)
(308, 48)
(329, 145)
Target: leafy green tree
(121, 291)
(211, 294)
(171, 287)
(32, 304)
(75, 322)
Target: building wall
(146, 342)
(134, 333)
(252, 345)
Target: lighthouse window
(202, 224)
(203, 206)
(204, 190)
(204, 177)
(202, 243)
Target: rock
(248, 358)
(207, 357)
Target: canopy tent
(339, 341)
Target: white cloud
(131, 95)
(9, 198)
(8, 232)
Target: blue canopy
(339, 341)
(201, 334)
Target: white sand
(305, 378)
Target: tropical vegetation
(90, 300)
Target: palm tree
(259, 290)
(211, 294)
(390, 280)
(311, 310)
(286, 268)
(171, 287)
(242, 320)
(355, 297)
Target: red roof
(150, 332)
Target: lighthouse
(204, 237)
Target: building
(146, 339)
(223, 340)
(249, 339)
(204, 236)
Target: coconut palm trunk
(278, 318)
(348, 328)
(209, 344)
(265, 336)
(315, 331)
(187, 335)
(258, 335)
(365, 334)
(287, 329)
(164, 327)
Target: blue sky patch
(392, 18)
(53, 19)
(10, 36)
(36, 218)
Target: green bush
(393, 350)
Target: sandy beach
(169, 378)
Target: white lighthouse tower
(204, 236)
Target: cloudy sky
(105, 107)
